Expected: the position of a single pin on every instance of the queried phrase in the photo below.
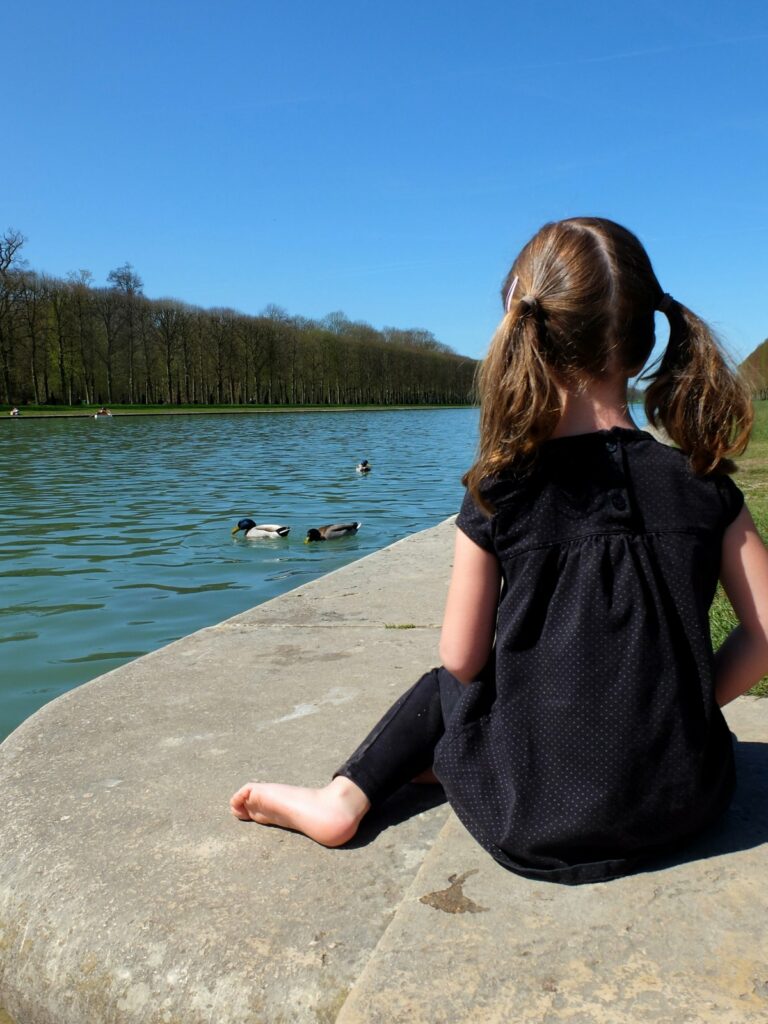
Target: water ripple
(114, 540)
(141, 514)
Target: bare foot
(330, 815)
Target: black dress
(594, 739)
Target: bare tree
(167, 319)
(11, 263)
(108, 311)
(83, 313)
(127, 282)
(33, 295)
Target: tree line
(68, 341)
(755, 370)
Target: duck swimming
(263, 530)
(332, 532)
(364, 466)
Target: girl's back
(603, 707)
(575, 722)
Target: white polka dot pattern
(594, 738)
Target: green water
(115, 535)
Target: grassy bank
(752, 478)
(73, 411)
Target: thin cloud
(653, 51)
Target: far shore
(88, 412)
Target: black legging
(403, 742)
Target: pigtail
(520, 405)
(587, 314)
(701, 402)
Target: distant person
(575, 724)
(14, 412)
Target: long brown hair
(580, 301)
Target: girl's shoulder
(509, 492)
(605, 481)
(668, 490)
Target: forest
(68, 341)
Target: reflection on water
(115, 536)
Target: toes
(238, 800)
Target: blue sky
(387, 161)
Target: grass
(752, 478)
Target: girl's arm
(743, 659)
(469, 622)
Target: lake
(115, 534)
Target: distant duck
(270, 531)
(332, 532)
(364, 466)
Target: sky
(387, 161)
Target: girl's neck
(600, 406)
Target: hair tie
(665, 303)
(510, 295)
(530, 300)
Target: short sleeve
(731, 498)
(475, 523)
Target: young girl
(575, 723)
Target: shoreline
(245, 573)
(306, 673)
(238, 410)
(296, 585)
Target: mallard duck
(254, 532)
(332, 531)
(364, 466)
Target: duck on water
(334, 531)
(261, 531)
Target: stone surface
(128, 893)
(404, 587)
(685, 942)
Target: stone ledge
(128, 893)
